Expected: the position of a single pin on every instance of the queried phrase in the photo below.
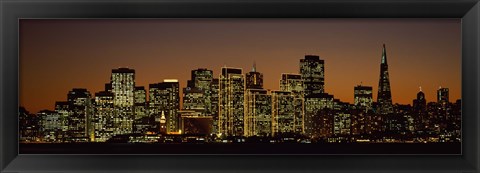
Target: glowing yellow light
(170, 80)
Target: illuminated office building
(444, 108)
(50, 126)
(29, 128)
(342, 123)
(294, 83)
(312, 71)
(140, 102)
(231, 102)
(199, 90)
(258, 108)
(258, 113)
(79, 121)
(63, 110)
(194, 99)
(420, 111)
(384, 97)
(283, 112)
(215, 103)
(123, 86)
(363, 97)
(201, 78)
(442, 95)
(103, 119)
(456, 121)
(319, 114)
(358, 120)
(254, 79)
(165, 97)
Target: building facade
(319, 111)
(294, 83)
(363, 97)
(231, 102)
(103, 119)
(313, 74)
(258, 113)
(254, 79)
(165, 97)
(283, 112)
(123, 86)
(79, 121)
(199, 90)
(140, 102)
(384, 97)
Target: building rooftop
(286, 76)
(123, 70)
(231, 70)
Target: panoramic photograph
(240, 86)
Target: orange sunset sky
(58, 55)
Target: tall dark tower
(312, 69)
(254, 79)
(384, 97)
(420, 104)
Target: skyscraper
(140, 101)
(50, 126)
(63, 110)
(258, 107)
(442, 95)
(193, 99)
(197, 95)
(123, 85)
(312, 71)
(231, 105)
(319, 115)
(420, 111)
(215, 103)
(258, 113)
(293, 83)
(201, 78)
(29, 126)
(444, 107)
(363, 97)
(254, 79)
(199, 91)
(79, 122)
(103, 120)
(342, 123)
(283, 112)
(384, 98)
(420, 104)
(165, 97)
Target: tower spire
(254, 68)
(384, 98)
(384, 55)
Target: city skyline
(236, 108)
(38, 97)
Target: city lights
(234, 107)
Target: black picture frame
(11, 11)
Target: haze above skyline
(58, 55)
